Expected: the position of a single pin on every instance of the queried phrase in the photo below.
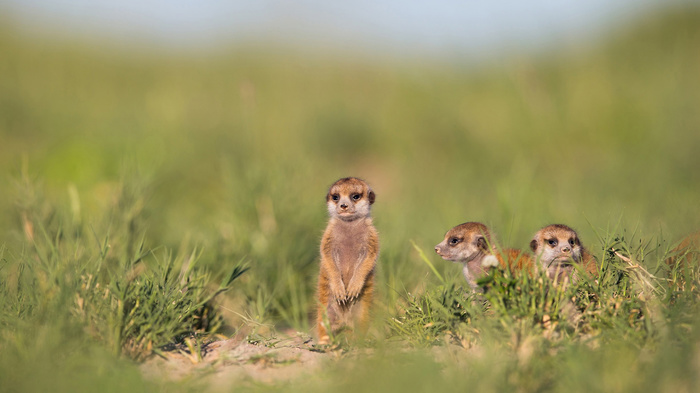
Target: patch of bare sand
(225, 363)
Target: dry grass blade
(646, 282)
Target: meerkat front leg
(335, 282)
(362, 271)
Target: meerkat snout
(566, 250)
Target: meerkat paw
(354, 289)
(339, 294)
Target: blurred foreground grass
(231, 155)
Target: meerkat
(687, 251)
(349, 251)
(557, 247)
(473, 245)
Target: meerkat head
(557, 247)
(465, 242)
(349, 198)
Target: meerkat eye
(454, 240)
(356, 196)
(335, 197)
(571, 241)
(552, 242)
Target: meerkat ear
(370, 196)
(533, 245)
(481, 243)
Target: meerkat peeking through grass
(473, 245)
(349, 250)
(558, 248)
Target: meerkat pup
(473, 245)
(349, 250)
(557, 247)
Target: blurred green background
(249, 140)
(233, 150)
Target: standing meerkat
(473, 245)
(349, 250)
(557, 247)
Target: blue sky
(440, 26)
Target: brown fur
(470, 243)
(557, 247)
(687, 251)
(349, 251)
(517, 260)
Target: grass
(158, 199)
(106, 283)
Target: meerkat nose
(343, 206)
(566, 249)
(437, 250)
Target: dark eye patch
(335, 197)
(571, 241)
(552, 242)
(356, 197)
(454, 240)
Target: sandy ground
(225, 363)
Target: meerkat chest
(349, 246)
